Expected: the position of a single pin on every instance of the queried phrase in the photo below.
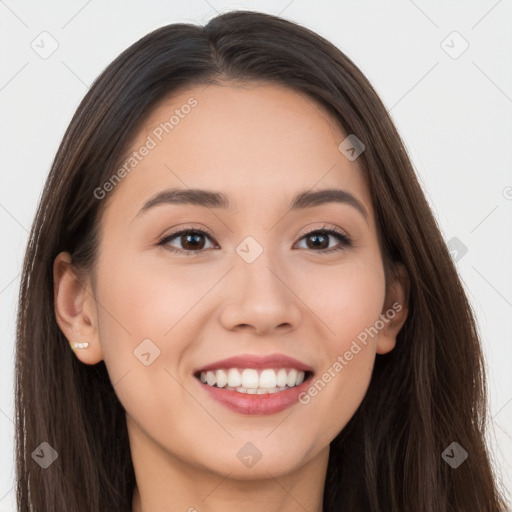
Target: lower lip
(244, 403)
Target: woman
(262, 310)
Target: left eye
(192, 240)
(323, 235)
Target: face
(181, 286)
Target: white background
(454, 115)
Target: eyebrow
(210, 199)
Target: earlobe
(75, 310)
(395, 310)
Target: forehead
(254, 141)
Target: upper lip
(257, 361)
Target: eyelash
(346, 241)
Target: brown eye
(319, 240)
(191, 241)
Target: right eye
(190, 239)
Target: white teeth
(281, 378)
(250, 378)
(222, 378)
(292, 377)
(210, 378)
(234, 378)
(252, 381)
(259, 391)
(267, 379)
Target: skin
(260, 144)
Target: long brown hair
(424, 395)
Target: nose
(262, 299)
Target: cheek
(146, 307)
(140, 308)
(346, 298)
(148, 299)
(350, 302)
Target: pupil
(319, 236)
(194, 236)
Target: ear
(394, 312)
(75, 309)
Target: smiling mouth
(254, 381)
